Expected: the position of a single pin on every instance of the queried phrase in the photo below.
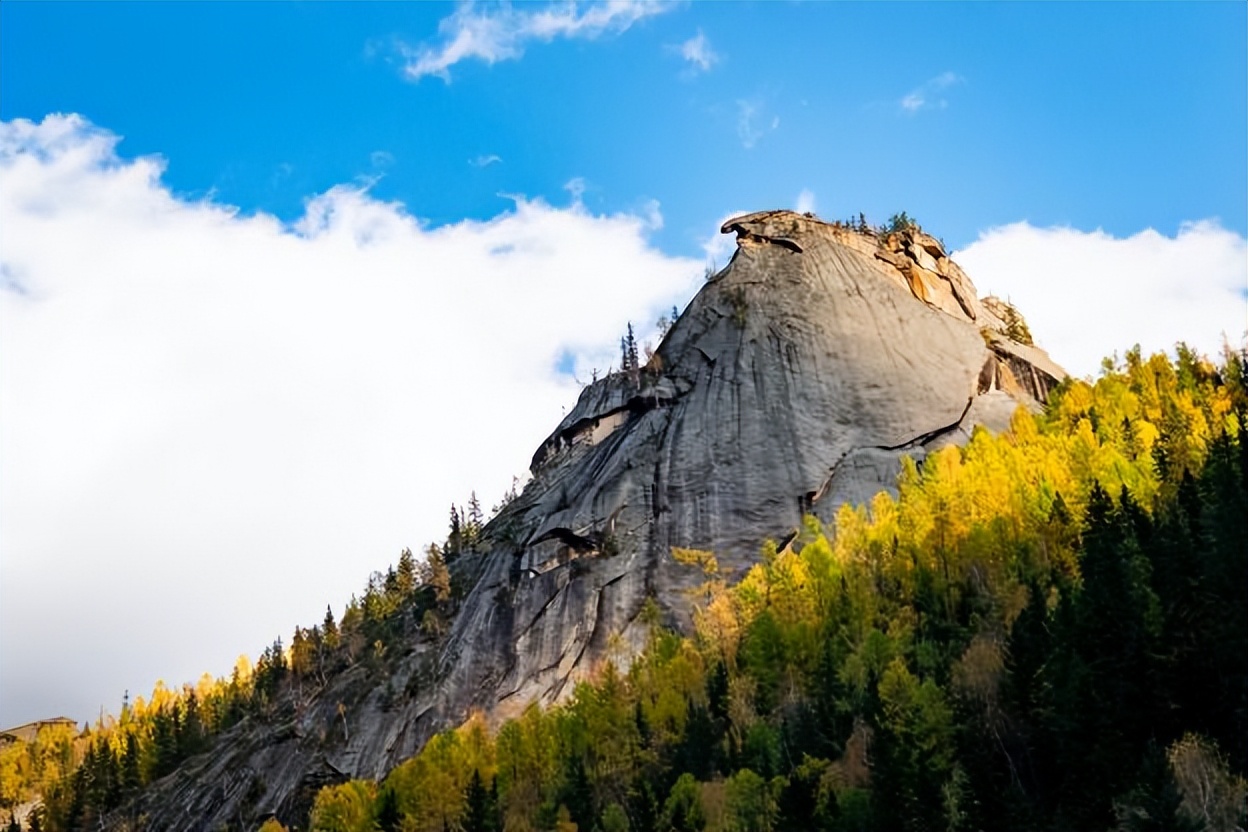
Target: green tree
(614, 819)
(752, 802)
(386, 811)
(344, 808)
(407, 578)
(481, 805)
(682, 811)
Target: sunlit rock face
(796, 380)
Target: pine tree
(270, 672)
(480, 805)
(407, 573)
(576, 794)
(386, 815)
(437, 576)
(191, 739)
(329, 630)
(475, 520)
(131, 776)
(455, 540)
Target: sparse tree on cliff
(436, 574)
(406, 575)
(455, 540)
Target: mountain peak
(796, 380)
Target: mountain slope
(795, 381)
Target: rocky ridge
(796, 380)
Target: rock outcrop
(795, 381)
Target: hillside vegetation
(1045, 629)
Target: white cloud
(698, 52)
(929, 94)
(753, 122)
(649, 211)
(805, 202)
(499, 33)
(484, 161)
(213, 425)
(1087, 295)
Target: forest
(1045, 629)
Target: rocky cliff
(795, 381)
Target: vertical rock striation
(794, 382)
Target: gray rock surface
(795, 381)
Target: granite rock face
(795, 381)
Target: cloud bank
(212, 425)
(1087, 294)
(500, 33)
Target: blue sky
(280, 281)
(1104, 115)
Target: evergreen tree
(633, 363)
(698, 752)
(480, 805)
(576, 793)
(270, 673)
(683, 811)
(302, 653)
(436, 575)
(455, 539)
(191, 739)
(614, 819)
(407, 574)
(329, 630)
(131, 774)
(386, 816)
(164, 755)
(476, 520)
